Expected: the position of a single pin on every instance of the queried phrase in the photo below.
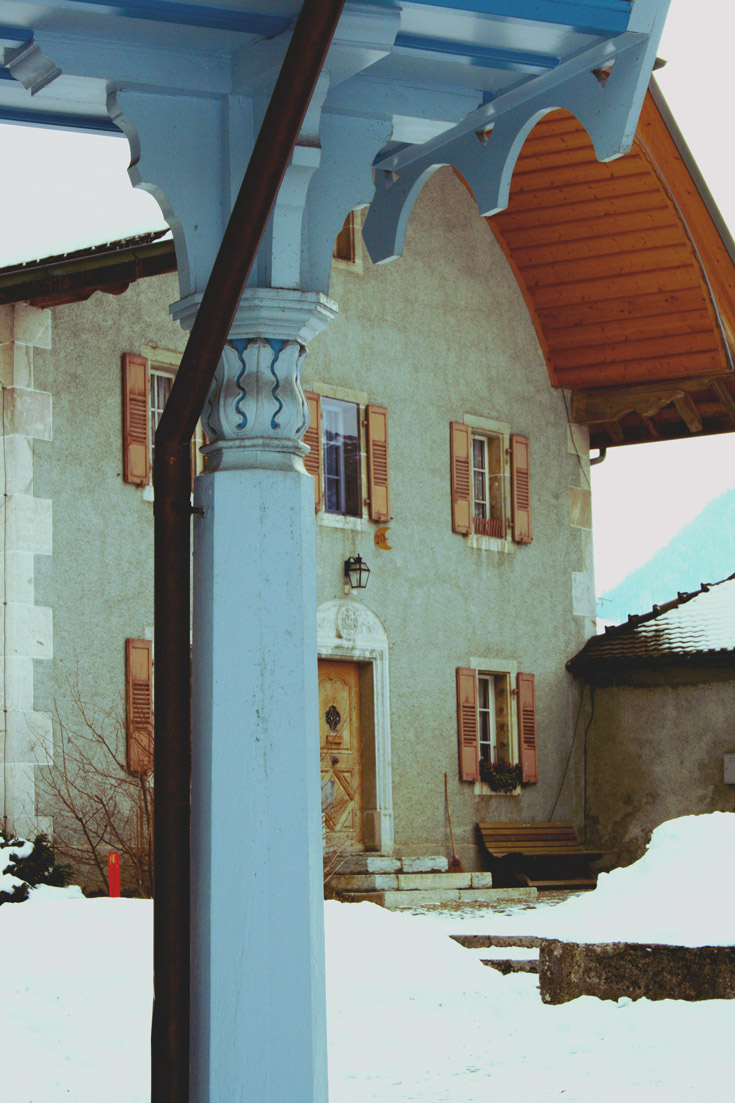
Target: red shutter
(377, 446)
(469, 759)
(139, 705)
(521, 488)
(526, 700)
(461, 450)
(313, 438)
(136, 419)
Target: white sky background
(62, 191)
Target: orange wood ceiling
(627, 278)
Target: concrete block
(580, 507)
(584, 601)
(433, 864)
(413, 881)
(7, 364)
(29, 631)
(369, 863)
(364, 882)
(28, 413)
(19, 577)
(578, 440)
(29, 524)
(6, 324)
(16, 465)
(612, 970)
(29, 738)
(16, 687)
(482, 880)
(493, 896)
(402, 899)
(32, 326)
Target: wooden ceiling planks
(629, 275)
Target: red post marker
(113, 872)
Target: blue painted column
(258, 1001)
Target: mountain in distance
(703, 551)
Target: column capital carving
(256, 412)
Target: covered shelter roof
(695, 628)
(629, 274)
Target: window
(334, 439)
(496, 723)
(160, 388)
(490, 482)
(487, 485)
(493, 711)
(341, 444)
(146, 387)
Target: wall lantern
(357, 572)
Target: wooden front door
(339, 736)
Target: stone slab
(431, 864)
(492, 896)
(511, 965)
(364, 882)
(612, 970)
(482, 880)
(414, 881)
(369, 863)
(479, 941)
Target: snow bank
(680, 893)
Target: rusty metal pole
(271, 154)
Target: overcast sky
(62, 191)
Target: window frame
(338, 406)
(497, 667)
(487, 429)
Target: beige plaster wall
(437, 335)
(654, 752)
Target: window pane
(341, 429)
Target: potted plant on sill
(502, 777)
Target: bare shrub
(97, 804)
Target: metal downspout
(312, 36)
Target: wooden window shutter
(461, 452)
(526, 700)
(313, 438)
(377, 446)
(521, 488)
(469, 759)
(139, 705)
(136, 419)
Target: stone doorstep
(398, 898)
(410, 882)
(378, 863)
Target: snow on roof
(694, 626)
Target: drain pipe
(312, 36)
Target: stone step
(377, 863)
(402, 898)
(511, 965)
(409, 882)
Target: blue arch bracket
(603, 86)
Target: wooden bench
(542, 855)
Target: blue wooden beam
(191, 15)
(599, 17)
(487, 57)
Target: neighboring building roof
(695, 629)
(628, 271)
(73, 277)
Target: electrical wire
(569, 754)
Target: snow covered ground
(412, 1015)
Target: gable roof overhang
(629, 274)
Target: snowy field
(412, 1015)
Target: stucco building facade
(441, 344)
